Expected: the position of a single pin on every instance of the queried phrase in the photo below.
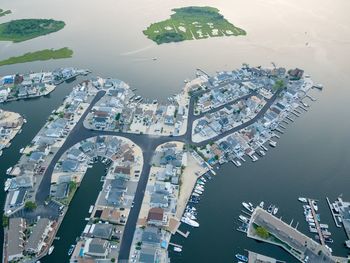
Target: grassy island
(190, 23)
(4, 13)
(45, 54)
(25, 29)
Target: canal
(74, 223)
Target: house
(15, 242)
(103, 231)
(156, 216)
(62, 190)
(159, 200)
(69, 165)
(36, 241)
(96, 247)
(151, 236)
(16, 198)
(115, 197)
(148, 255)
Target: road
(147, 143)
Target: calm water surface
(311, 159)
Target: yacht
(270, 209)
(7, 184)
(242, 258)
(243, 218)
(273, 143)
(50, 250)
(314, 205)
(189, 221)
(71, 249)
(177, 249)
(247, 206)
(302, 199)
(275, 210)
(8, 171)
(261, 204)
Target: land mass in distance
(4, 12)
(41, 55)
(190, 23)
(25, 29)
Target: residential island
(42, 55)
(158, 158)
(193, 22)
(25, 29)
(32, 85)
(4, 12)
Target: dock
(185, 235)
(311, 98)
(175, 245)
(289, 118)
(319, 231)
(332, 212)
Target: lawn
(41, 55)
(190, 23)
(25, 29)
(4, 13)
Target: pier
(289, 118)
(175, 245)
(332, 212)
(319, 231)
(185, 235)
(311, 98)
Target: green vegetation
(25, 29)
(279, 84)
(4, 13)
(41, 55)
(190, 23)
(262, 232)
(30, 205)
(5, 221)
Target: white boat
(198, 191)
(189, 221)
(275, 210)
(91, 208)
(177, 249)
(8, 171)
(50, 250)
(24, 120)
(247, 206)
(273, 143)
(21, 150)
(7, 184)
(302, 199)
(261, 204)
(314, 205)
(244, 219)
(190, 216)
(195, 194)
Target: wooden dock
(319, 231)
(185, 235)
(332, 212)
(175, 245)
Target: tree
(262, 232)
(30, 205)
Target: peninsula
(41, 55)
(25, 29)
(190, 23)
(152, 183)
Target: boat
(247, 206)
(190, 216)
(177, 249)
(198, 191)
(241, 257)
(270, 209)
(154, 59)
(21, 150)
(189, 222)
(24, 120)
(314, 205)
(261, 204)
(50, 250)
(195, 194)
(302, 199)
(91, 208)
(244, 219)
(7, 184)
(273, 143)
(275, 210)
(328, 240)
(71, 249)
(154, 101)
(8, 171)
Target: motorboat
(71, 249)
(242, 258)
(261, 204)
(51, 250)
(302, 199)
(189, 221)
(177, 249)
(275, 210)
(244, 219)
(247, 206)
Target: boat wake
(137, 51)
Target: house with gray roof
(103, 231)
(15, 240)
(97, 248)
